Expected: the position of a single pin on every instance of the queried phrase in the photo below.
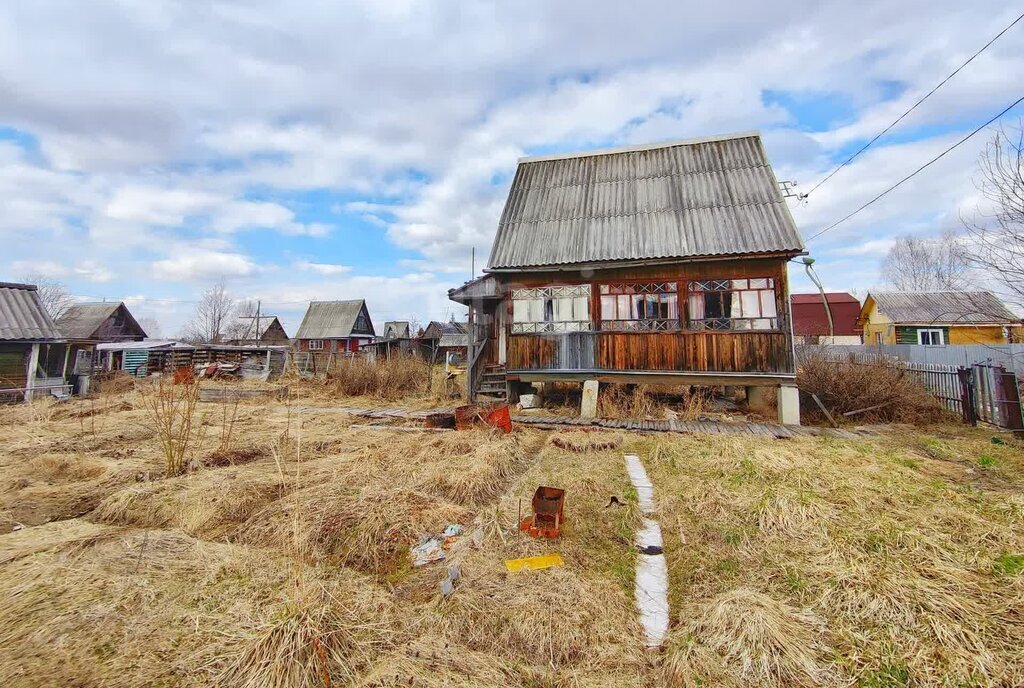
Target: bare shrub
(399, 377)
(171, 409)
(849, 385)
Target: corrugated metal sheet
(451, 341)
(81, 320)
(686, 199)
(329, 319)
(947, 307)
(811, 320)
(22, 315)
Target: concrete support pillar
(757, 398)
(789, 405)
(33, 363)
(588, 406)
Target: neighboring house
(396, 329)
(810, 320)
(335, 327)
(85, 325)
(33, 354)
(266, 330)
(936, 318)
(647, 264)
(437, 329)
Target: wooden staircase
(492, 384)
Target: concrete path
(651, 589)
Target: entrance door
(502, 317)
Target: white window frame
(315, 345)
(931, 331)
(554, 309)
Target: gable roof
(82, 320)
(946, 307)
(399, 327)
(22, 314)
(265, 323)
(832, 296)
(683, 199)
(331, 319)
(437, 329)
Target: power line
(914, 106)
(915, 172)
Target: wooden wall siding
(681, 350)
(727, 352)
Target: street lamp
(808, 262)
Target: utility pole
(256, 319)
(808, 262)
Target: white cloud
(323, 268)
(156, 206)
(191, 265)
(93, 271)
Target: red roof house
(811, 322)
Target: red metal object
(547, 518)
(495, 415)
(184, 376)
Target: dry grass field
(280, 557)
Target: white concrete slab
(651, 590)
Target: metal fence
(1009, 356)
(980, 392)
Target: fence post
(967, 395)
(1009, 400)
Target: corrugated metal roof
(330, 319)
(81, 320)
(676, 200)
(946, 307)
(22, 315)
(833, 297)
(452, 340)
(399, 329)
(146, 345)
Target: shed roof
(683, 199)
(452, 340)
(330, 319)
(249, 325)
(946, 307)
(23, 316)
(810, 318)
(399, 328)
(82, 320)
(832, 296)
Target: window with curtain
(739, 304)
(551, 309)
(640, 306)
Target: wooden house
(85, 325)
(646, 264)
(335, 327)
(33, 354)
(396, 329)
(250, 331)
(811, 320)
(937, 318)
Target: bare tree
(926, 264)
(995, 243)
(243, 321)
(54, 295)
(213, 314)
(151, 327)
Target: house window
(931, 337)
(643, 306)
(738, 304)
(316, 344)
(551, 309)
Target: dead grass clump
(112, 382)
(758, 639)
(553, 618)
(584, 441)
(628, 401)
(52, 467)
(324, 636)
(484, 473)
(367, 529)
(391, 379)
(844, 386)
(234, 457)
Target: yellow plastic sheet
(545, 561)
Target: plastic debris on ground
(448, 584)
(431, 548)
(544, 561)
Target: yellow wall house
(936, 318)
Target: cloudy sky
(343, 150)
